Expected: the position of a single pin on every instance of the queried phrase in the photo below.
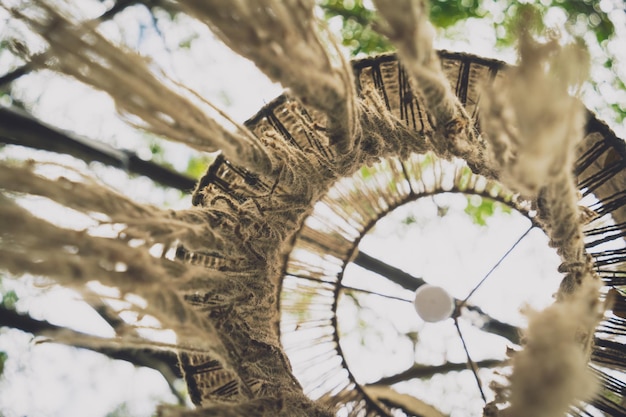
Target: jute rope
(226, 318)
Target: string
(470, 362)
(375, 293)
(508, 252)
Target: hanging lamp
(327, 245)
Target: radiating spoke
(470, 362)
(391, 297)
(502, 258)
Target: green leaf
(611, 396)
(446, 13)
(591, 13)
(197, 166)
(409, 220)
(356, 31)
(9, 299)
(480, 209)
(365, 172)
(156, 150)
(464, 178)
(3, 359)
(620, 112)
(186, 43)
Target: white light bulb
(433, 303)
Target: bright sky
(453, 252)
(445, 247)
(52, 380)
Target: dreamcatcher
(284, 215)
(317, 272)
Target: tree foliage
(587, 19)
(357, 18)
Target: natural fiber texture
(286, 406)
(534, 126)
(281, 38)
(140, 92)
(551, 371)
(529, 117)
(256, 196)
(406, 24)
(74, 257)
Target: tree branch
(412, 283)
(409, 404)
(17, 73)
(19, 128)
(162, 360)
(422, 371)
(119, 6)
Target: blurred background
(38, 378)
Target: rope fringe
(225, 313)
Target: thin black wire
(470, 362)
(508, 252)
(345, 287)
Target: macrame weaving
(221, 292)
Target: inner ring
(328, 244)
